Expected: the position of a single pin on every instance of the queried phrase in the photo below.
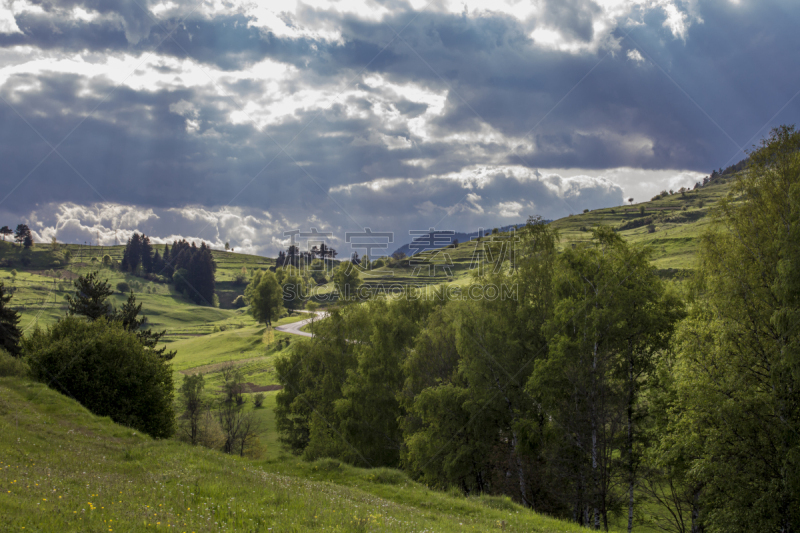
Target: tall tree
(347, 281)
(738, 372)
(265, 297)
(612, 317)
(293, 287)
(146, 253)
(22, 233)
(90, 297)
(10, 333)
(129, 315)
(6, 231)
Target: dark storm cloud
(572, 17)
(690, 103)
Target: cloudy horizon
(237, 121)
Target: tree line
(600, 392)
(190, 267)
(22, 235)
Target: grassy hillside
(64, 469)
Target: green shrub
(11, 366)
(107, 370)
(258, 399)
(123, 287)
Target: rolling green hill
(64, 469)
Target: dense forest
(190, 267)
(581, 384)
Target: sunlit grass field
(64, 469)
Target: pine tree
(135, 256)
(22, 234)
(10, 333)
(146, 253)
(90, 297)
(128, 314)
(166, 267)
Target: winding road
(294, 327)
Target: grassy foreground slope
(64, 469)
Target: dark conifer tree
(90, 297)
(134, 252)
(22, 234)
(167, 267)
(146, 253)
(9, 325)
(128, 314)
(158, 262)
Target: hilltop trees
(5, 231)
(23, 235)
(199, 266)
(195, 266)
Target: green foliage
(123, 287)
(193, 406)
(258, 400)
(107, 369)
(265, 296)
(292, 287)
(738, 368)
(347, 280)
(11, 366)
(90, 297)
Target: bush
(123, 287)
(585, 210)
(258, 399)
(108, 370)
(651, 228)
(11, 366)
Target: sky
(237, 121)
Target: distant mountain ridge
(439, 239)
